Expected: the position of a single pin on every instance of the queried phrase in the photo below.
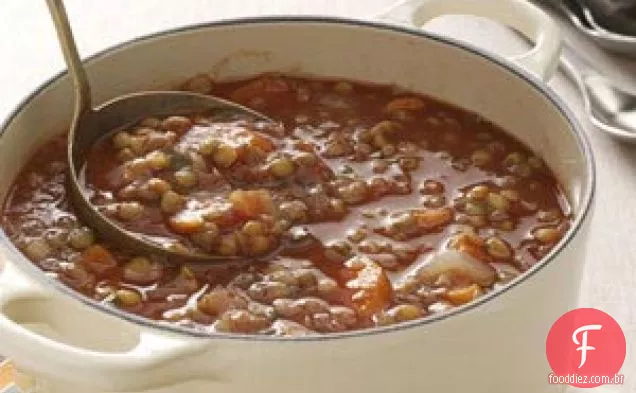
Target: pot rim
(540, 86)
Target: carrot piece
(252, 203)
(433, 218)
(186, 222)
(261, 141)
(372, 285)
(405, 103)
(472, 245)
(259, 87)
(98, 259)
(459, 296)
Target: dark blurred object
(617, 16)
(584, 19)
(576, 12)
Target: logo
(586, 348)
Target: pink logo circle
(586, 344)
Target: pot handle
(150, 364)
(530, 20)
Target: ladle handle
(71, 56)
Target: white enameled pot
(495, 344)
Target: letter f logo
(583, 344)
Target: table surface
(30, 55)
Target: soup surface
(364, 206)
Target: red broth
(333, 212)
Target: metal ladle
(610, 108)
(91, 123)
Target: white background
(29, 55)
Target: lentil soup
(366, 205)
